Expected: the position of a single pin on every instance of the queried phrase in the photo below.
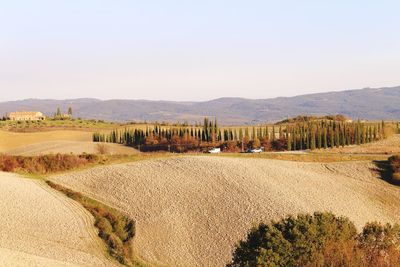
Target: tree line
(316, 134)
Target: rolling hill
(381, 103)
(191, 210)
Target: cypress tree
(294, 138)
(319, 140)
(301, 137)
(332, 137)
(312, 141)
(273, 132)
(307, 129)
(289, 140)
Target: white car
(256, 150)
(214, 150)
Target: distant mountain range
(380, 103)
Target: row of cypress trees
(294, 136)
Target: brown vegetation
(45, 164)
(116, 229)
(102, 149)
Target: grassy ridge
(115, 229)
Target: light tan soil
(12, 140)
(41, 227)
(191, 210)
(67, 147)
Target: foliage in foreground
(321, 239)
(116, 229)
(394, 162)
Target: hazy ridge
(379, 103)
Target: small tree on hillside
(70, 111)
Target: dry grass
(102, 148)
(71, 147)
(11, 140)
(190, 211)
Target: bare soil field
(41, 227)
(12, 140)
(191, 210)
(67, 147)
(388, 146)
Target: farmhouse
(26, 116)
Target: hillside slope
(40, 227)
(69, 147)
(191, 210)
(364, 104)
(11, 140)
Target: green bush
(116, 246)
(321, 239)
(104, 226)
(394, 162)
(396, 177)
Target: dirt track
(190, 211)
(40, 227)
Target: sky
(195, 50)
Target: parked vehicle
(254, 150)
(214, 150)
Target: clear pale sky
(195, 50)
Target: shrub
(381, 244)
(102, 149)
(394, 162)
(115, 244)
(321, 239)
(396, 177)
(46, 163)
(279, 144)
(8, 164)
(231, 146)
(104, 226)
